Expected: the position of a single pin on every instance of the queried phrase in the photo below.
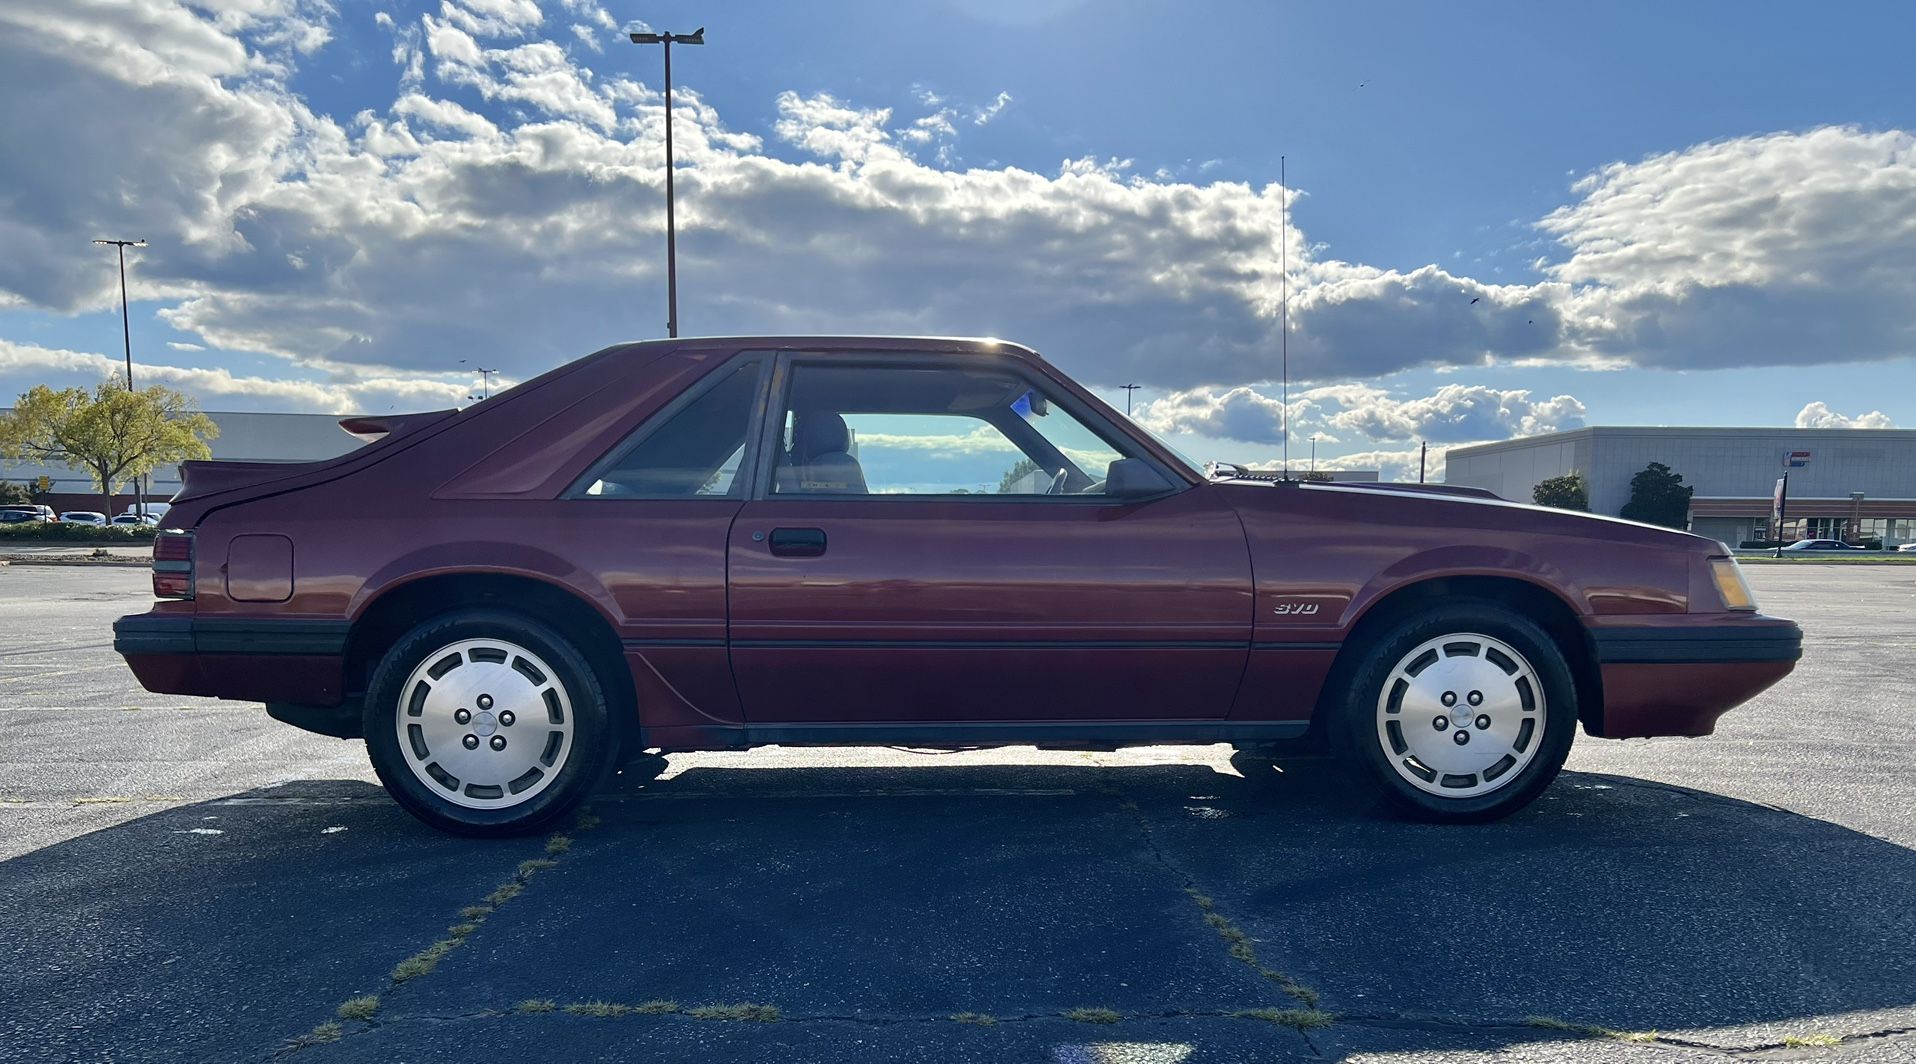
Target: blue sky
(1506, 218)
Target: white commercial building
(1843, 483)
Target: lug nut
(506, 718)
(498, 742)
(1440, 723)
(1462, 737)
(471, 741)
(1483, 721)
(1476, 698)
(485, 701)
(463, 716)
(1450, 698)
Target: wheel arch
(1536, 602)
(398, 608)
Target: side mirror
(1134, 478)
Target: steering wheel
(1057, 484)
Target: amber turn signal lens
(1730, 585)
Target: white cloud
(1818, 415)
(178, 346)
(984, 115)
(213, 387)
(1454, 413)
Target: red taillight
(173, 564)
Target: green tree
(1659, 497)
(1016, 473)
(1568, 492)
(113, 434)
(12, 494)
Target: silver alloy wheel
(1461, 715)
(484, 723)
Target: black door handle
(798, 542)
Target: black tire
(1360, 725)
(587, 752)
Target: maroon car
(723, 543)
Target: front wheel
(1460, 713)
(484, 722)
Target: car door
(931, 543)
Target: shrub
(57, 532)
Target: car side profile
(83, 517)
(728, 542)
(1822, 545)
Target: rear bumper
(246, 659)
(1678, 679)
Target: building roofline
(1593, 431)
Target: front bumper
(1677, 679)
(247, 659)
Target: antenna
(1284, 310)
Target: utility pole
(671, 219)
(1128, 389)
(1423, 448)
(126, 338)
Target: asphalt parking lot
(188, 880)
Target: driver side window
(905, 430)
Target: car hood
(1433, 505)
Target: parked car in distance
(83, 517)
(1907, 548)
(1822, 545)
(154, 510)
(136, 521)
(722, 543)
(14, 516)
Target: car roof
(981, 345)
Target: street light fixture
(1314, 439)
(671, 220)
(126, 338)
(1128, 389)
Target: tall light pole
(126, 338)
(1128, 389)
(671, 220)
(1314, 452)
(485, 380)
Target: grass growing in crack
(557, 845)
(1589, 1030)
(656, 1008)
(476, 912)
(1298, 1019)
(424, 961)
(1241, 949)
(1091, 1015)
(364, 1007)
(744, 1010)
(976, 1019)
(534, 1007)
(585, 821)
(319, 1036)
(604, 1010)
(534, 866)
(461, 930)
(504, 893)
(1805, 1041)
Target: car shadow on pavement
(870, 906)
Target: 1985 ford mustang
(722, 543)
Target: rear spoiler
(371, 428)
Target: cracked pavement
(188, 880)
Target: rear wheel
(484, 722)
(1460, 713)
